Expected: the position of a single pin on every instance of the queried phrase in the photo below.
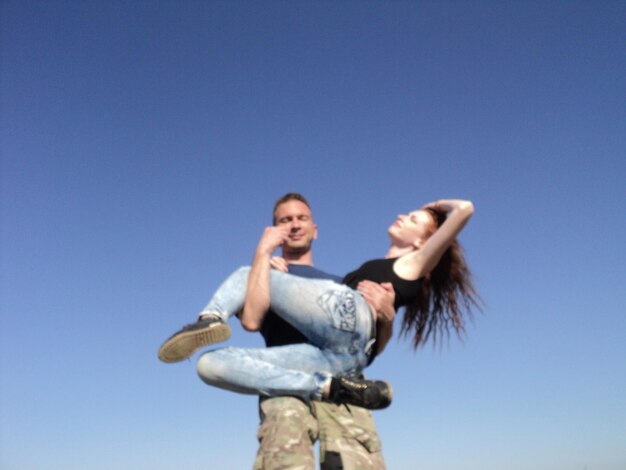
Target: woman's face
(412, 228)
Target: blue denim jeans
(336, 319)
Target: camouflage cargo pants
(289, 427)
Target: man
(289, 426)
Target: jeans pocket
(340, 305)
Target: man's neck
(299, 258)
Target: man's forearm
(257, 294)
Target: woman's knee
(211, 366)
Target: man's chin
(297, 249)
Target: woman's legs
(211, 326)
(229, 298)
(332, 316)
(296, 370)
(336, 319)
(299, 370)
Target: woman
(425, 266)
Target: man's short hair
(286, 198)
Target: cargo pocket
(349, 434)
(364, 430)
(286, 434)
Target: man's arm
(258, 293)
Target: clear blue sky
(144, 142)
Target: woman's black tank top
(381, 270)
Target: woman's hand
(447, 205)
(432, 206)
(458, 213)
(279, 264)
(381, 297)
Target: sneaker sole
(182, 346)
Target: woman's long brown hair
(447, 297)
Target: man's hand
(279, 264)
(381, 297)
(272, 238)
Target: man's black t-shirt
(275, 330)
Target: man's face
(297, 217)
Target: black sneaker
(370, 394)
(184, 343)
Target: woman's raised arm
(459, 211)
